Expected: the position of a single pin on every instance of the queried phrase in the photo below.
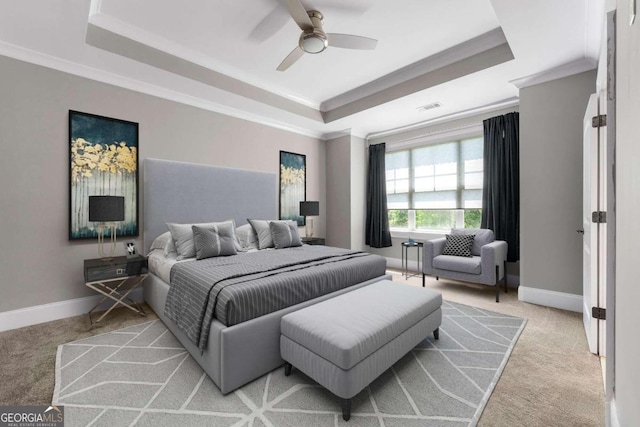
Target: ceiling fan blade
(357, 7)
(291, 59)
(349, 41)
(299, 14)
(270, 24)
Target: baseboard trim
(513, 280)
(397, 264)
(548, 298)
(612, 420)
(55, 311)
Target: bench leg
(287, 369)
(423, 280)
(346, 409)
(497, 283)
(437, 278)
(436, 334)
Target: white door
(595, 238)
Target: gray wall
(358, 192)
(627, 345)
(37, 262)
(339, 192)
(551, 117)
(346, 188)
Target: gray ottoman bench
(346, 342)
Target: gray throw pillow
(261, 227)
(284, 234)
(214, 240)
(182, 235)
(458, 245)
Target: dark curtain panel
(501, 193)
(377, 227)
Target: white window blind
(440, 176)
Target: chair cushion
(458, 245)
(482, 237)
(460, 264)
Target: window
(436, 187)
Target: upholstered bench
(346, 342)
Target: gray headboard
(190, 193)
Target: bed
(190, 193)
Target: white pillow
(247, 237)
(164, 242)
(182, 235)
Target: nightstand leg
(113, 294)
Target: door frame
(609, 55)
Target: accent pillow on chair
(458, 245)
(482, 236)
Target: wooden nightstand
(115, 279)
(313, 241)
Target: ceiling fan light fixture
(313, 42)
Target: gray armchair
(487, 265)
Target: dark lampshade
(106, 208)
(309, 208)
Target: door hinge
(599, 121)
(599, 217)
(599, 313)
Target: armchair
(487, 264)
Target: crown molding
(482, 43)
(337, 134)
(509, 102)
(171, 48)
(48, 61)
(565, 70)
(457, 132)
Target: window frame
(443, 138)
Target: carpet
(142, 375)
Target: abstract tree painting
(293, 185)
(103, 162)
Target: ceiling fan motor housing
(314, 40)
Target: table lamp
(106, 210)
(308, 209)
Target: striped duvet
(241, 287)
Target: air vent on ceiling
(429, 106)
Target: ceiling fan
(313, 38)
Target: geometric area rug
(142, 376)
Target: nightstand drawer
(97, 269)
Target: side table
(115, 279)
(405, 257)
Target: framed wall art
(103, 161)
(293, 185)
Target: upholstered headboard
(190, 193)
